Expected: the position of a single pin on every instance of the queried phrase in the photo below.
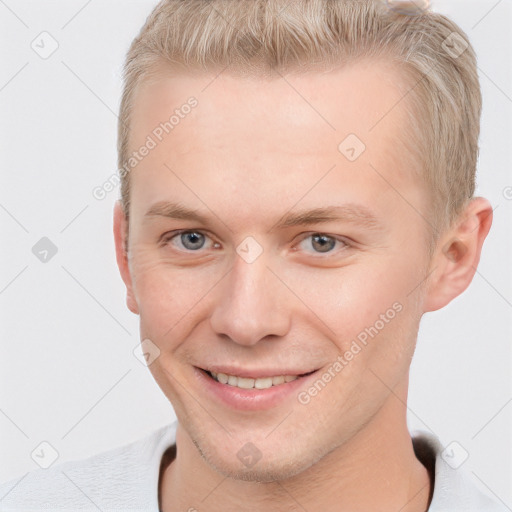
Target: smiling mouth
(254, 383)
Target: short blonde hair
(259, 36)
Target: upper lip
(254, 373)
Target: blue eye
(322, 243)
(194, 241)
(190, 240)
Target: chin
(281, 467)
(262, 472)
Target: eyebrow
(351, 213)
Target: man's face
(249, 155)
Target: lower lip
(250, 399)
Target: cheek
(368, 300)
(167, 295)
(350, 296)
(387, 318)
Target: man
(297, 191)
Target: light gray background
(68, 374)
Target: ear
(458, 254)
(120, 237)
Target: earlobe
(455, 263)
(120, 232)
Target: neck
(375, 470)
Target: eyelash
(168, 237)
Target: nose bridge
(250, 306)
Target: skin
(252, 151)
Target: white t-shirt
(126, 479)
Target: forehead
(271, 136)
(361, 97)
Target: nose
(252, 303)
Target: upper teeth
(247, 383)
